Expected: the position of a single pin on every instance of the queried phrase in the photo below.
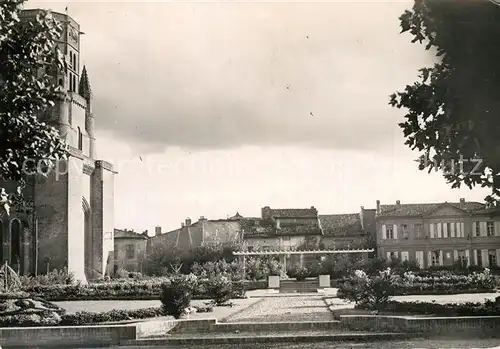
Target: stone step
(232, 327)
(267, 337)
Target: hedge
(489, 308)
(130, 290)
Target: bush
(90, 318)
(176, 295)
(369, 291)
(55, 277)
(489, 308)
(220, 290)
(301, 274)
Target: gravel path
(277, 309)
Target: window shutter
(467, 257)
(429, 258)
(483, 228)
(474, 228)
(497, 229)
(455, 255)
(462, 229)
(431, 230)
(384, 232)
(395, 227)
(396, 254)
(404, 256)
(441, 257)
(439, 235)
(445, 230)
(388, 255)
(452, 230)
(498, 257)
(474, 257)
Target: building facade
(130, 250)
(72, 219)
(439, 234)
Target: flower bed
(130, 290)
(412, 284)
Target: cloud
(222, 75)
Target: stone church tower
(72, 223)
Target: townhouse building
(439, 234)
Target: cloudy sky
(212, 107)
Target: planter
(324, 281)
(273, 281)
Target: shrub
(55, 277)
(220, 290)
(369, 291)
(489, 308)
(301, 274)
(176, 294)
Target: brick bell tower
(73, 221)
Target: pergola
(286, 252)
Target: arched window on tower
(80, 139)
(15, 241)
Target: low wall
(464, 325)
(66, 336)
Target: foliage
(9, 280)
(80, 318)
(29, 61)
(219, 289)
(411, 283)
(301, 273)
(489, 308)
(452, 109)
(369, 291)
(128, 290)
(162, 257)
(209, 270)
(54, 277)
(177, 293)
(259, 268)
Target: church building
(72, 220)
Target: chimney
(182, 225)
(266, 212)
(398, 203)
(202, 218)
(378, 207)
(188, 222)
(157, 231)
(462, 200)
(145, 233)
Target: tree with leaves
(29, 62)
(453, 109)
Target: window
(266, 248)
(286, 238)
(404, 231)
(492, 258)
(80, 139)
(74, 83)
(250, 248)
(490, 228)
(447, 230)
(419, 231)
(435, 258)
(479, 258)
(462, 259)
(130, 251)
(478, 228)
(389, 231)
